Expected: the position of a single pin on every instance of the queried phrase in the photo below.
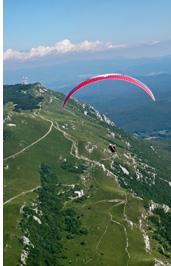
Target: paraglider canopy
(109, 76)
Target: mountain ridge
(75, 141)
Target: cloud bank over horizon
(66, 47)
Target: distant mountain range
(71, 73)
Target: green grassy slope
(75, 142)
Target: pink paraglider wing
(109, 76)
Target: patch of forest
(52, 224)
(153, 116)
(20, 98)
(162, 232)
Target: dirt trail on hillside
(35, 142)
(74, 152)
(21, 194)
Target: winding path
(21, 194)
(74, 152)
(35, 142)
(74, 147)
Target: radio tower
(25, 81)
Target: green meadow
(117, 187)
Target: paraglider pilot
(112, 147)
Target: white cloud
(10, 54)
(154, 43)
(66, 47)
(61, 47)
(109, 45)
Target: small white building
(79, 193)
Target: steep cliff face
(114, 190)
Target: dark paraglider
(112, 147)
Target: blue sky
(39, 30)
